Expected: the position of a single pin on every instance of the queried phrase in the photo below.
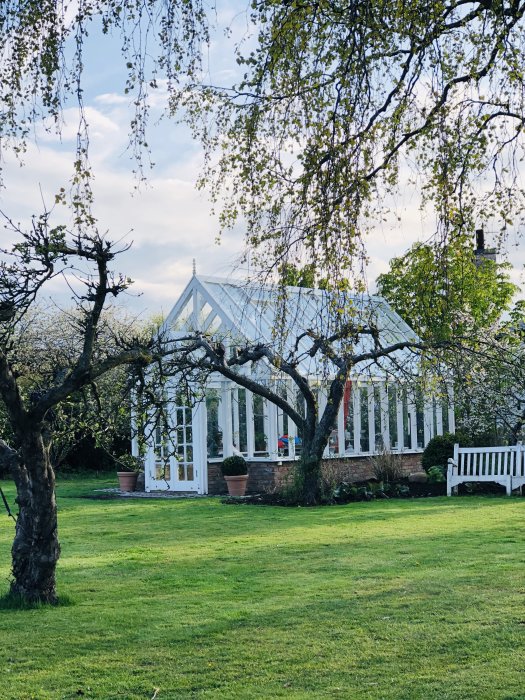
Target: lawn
(194, 599)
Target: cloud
(100, 126)
(168, 220)
(111, 98)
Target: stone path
(117, 493)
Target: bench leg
(509, 485)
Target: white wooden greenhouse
(376, 412)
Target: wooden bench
(502, 465)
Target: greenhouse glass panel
(214, 438)
(407, 441)
(392, 416)
(444, 411)
(379, 443)
(363, 403)
(259, 423)
(420, 419)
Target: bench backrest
(489, 461)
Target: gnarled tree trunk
(315, 436)
(310, 481)
(36, 549)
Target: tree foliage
(489, 383)
(43, 70)
(342, 102)
(443, 292)
(91, 425)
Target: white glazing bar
(134, 429)
(200, 465)
(273, 438)
(356, 402)
(250, 428)
(203, 442)
(451, 416)
(323, 399)
(280, 422)
(385, 422)
(371, 420)
(451, 421)
(195, 309)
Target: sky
(169, 223)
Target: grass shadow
(12, 601)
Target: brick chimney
(481, 253)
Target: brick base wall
(264, 477)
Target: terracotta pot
(237, 484)
(127, 480)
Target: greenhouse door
(184, 472)
(176, 466)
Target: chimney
(480, 240)
(481, 253)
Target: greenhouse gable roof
(243, 312)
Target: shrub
(436, 475)
(387, 467)
(345, 492)
(438, 450)
(234, 466)
(128, 463)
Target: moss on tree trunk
(36, 549)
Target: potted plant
(128, 468)
(235, 472)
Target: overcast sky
(169, 222)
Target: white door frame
(199, 483)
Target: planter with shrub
(235, 473)
(128, 468)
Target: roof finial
(194, 267)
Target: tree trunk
(35, 550)
(315, 436)
(310, 482)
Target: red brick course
(266, 477)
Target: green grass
(398, 600)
